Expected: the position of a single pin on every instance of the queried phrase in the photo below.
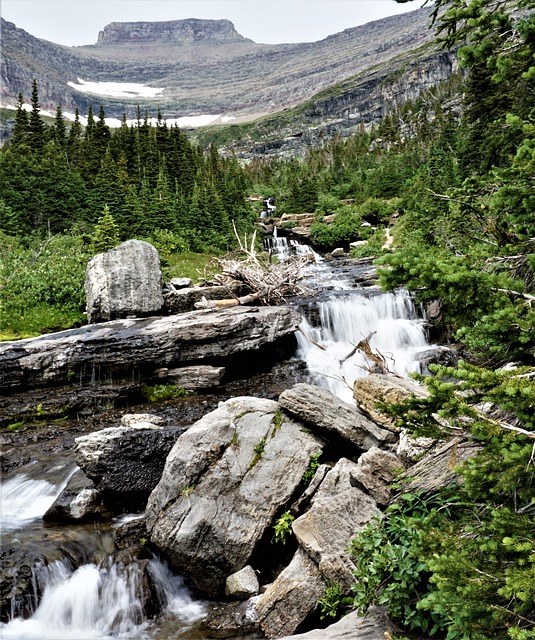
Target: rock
(437, 468)
(336, 253)
(409, 448)
(124, 281)
(224, 481)
(132, 348)
(291, 598)
(375, 471)
(231, 620)
(130, 533)
(181, 283)
(338, 510)
(376, 387)
(243, 584)
(184, 300)
(126, 462)
(78, 502)
(195, 378)
(131, 419)
(374, 626)
(332, 417)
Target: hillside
(200, 66)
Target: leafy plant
(258, 450)
(161, 392)
(334, 603)
(313, 465)
(283, 527)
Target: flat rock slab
(135, 347)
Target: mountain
(199, 67)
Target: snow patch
(116, 89)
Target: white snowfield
(115, 89)
(130, 90)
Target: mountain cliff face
(193, 67)
(175, 32)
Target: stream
(79, 591)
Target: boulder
(333, 417)
(78, 502)
(224, 481)
(375, 471)
(243, 584)
(338, 510)
(291, 598)
(132, 348)
(374, 626)
(126, 462)
(376, 387)
(124, 281)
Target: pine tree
(58, 131)
(20, 132)
(36, 127)
(106, 233)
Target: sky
(78, 22)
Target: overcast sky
(78, 22)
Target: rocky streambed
(225, 513)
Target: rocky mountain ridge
(201, 66)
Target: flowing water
(99, 598)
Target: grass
(190, 265)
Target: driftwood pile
(270, 284)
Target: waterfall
(23, 499)
(342, 321)
(100, 602)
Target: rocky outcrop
(126, 462)
(135, 348)
(376, 469)
(332, 417)
(78, 502)
(124, 282)
(173, 31)
(223, 483)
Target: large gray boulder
(224, 481)
(333, 417)
(124, 281)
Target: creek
(77, 589)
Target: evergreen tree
(21, 129)
(58, 131)
(106, 234)
(36, 127)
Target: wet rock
(375, 471)
(231, 620)
(124, 281)
(223, 482)
(136, 347)
(243, 584)
(330, 416)
(376, 387)
(291, 598)
(78, 502)
(130, 533)
(126, 463)
(193, 378)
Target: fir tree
(36, 127)
(106, 233)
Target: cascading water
(390, 322)
(100, 602)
